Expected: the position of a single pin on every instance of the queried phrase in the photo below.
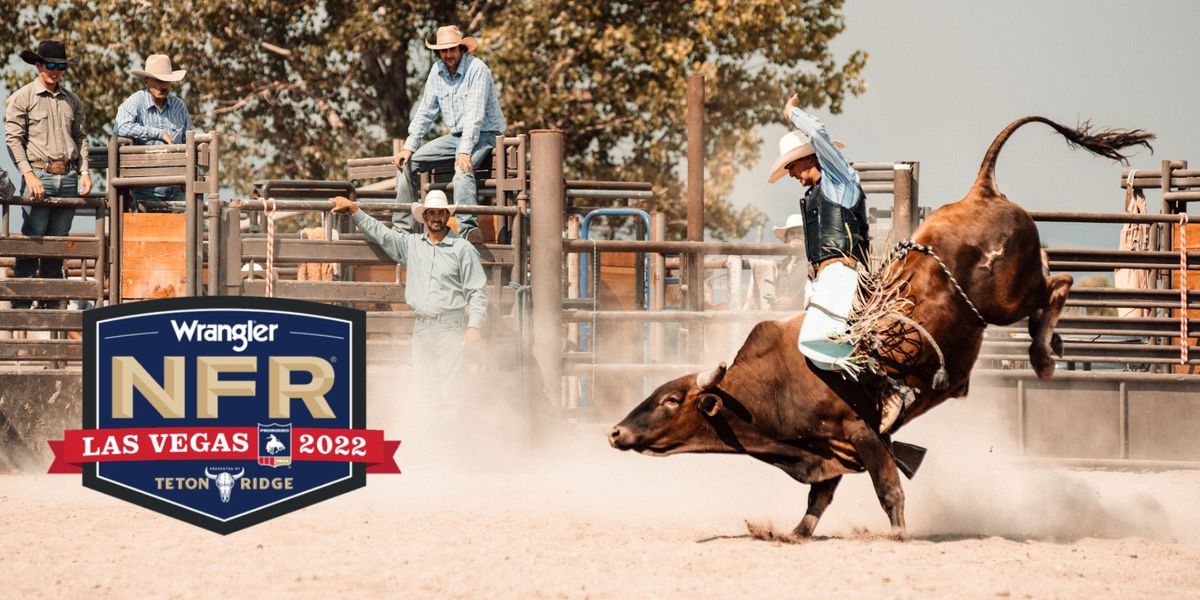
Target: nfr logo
(224, 411)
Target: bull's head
(675, 418)
(225, 481)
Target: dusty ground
(592, 522)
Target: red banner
(80, 446)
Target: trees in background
(297, 87)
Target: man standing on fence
(444, 285)
(837, 242)
(461, 88)
(44, 129)
(155, 116)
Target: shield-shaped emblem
(275, 444)
(191, 405)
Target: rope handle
(1183, 289)
(269, 211)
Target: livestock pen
(558, 299)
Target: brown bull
(772, 404)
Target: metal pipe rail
(747, 248)
(92, 201)
(259, 204)
(1099, 217)
(1086, 359)
(1126, 326)
(1094, 351)
(672, 316)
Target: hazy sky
(944, 77)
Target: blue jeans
(159, 194)
(440, 152)
(38, 221)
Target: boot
(892, 403)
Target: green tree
(299, 87)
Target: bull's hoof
(1043, 363)
(900, 534)
(766, 533)
(1056, 345)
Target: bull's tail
(1106, 142)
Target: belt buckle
(57, 167)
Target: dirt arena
(477, 518)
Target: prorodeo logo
(224, 411)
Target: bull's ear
(709, 404)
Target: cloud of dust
(973, 483)
(493, 442)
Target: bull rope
(880, 297)
(901, 252)
(269, 211)
(1183, 290)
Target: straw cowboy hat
(158, 66)
(794, 221)
(434, 199)
(449, 37)
(793, 146)
(48, 51)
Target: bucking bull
(977, 262)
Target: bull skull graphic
(225, 481)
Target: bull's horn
(240, 473)
(209, 475)
(707, 380)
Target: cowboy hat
(793, 221)
(158, 66)
(48, 51)
(793, 146)
(449, 37)
(434, 199)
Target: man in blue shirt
(837, 241)
(444, 284)
(154, 116)
(460, 87)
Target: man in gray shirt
(43, 126)
(444, 283)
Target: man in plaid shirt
(460, 87)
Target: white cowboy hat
(158, 66)
(793, 221)
(793, 146)
(434, 199)
(449, 37)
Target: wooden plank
(143, 283)
(40, 350)
(378, 273)
(154, 227)
(167, 159)
(302, 251)
(61, 247)
(128, 172)
(153, 255)
(33, 289)
(372, 172)
(41, 320)
(329, 291)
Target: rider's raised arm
(838, 178)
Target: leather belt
(54, 167)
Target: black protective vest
(833, 231)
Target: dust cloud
(492, 447)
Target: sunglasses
(56, 66)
